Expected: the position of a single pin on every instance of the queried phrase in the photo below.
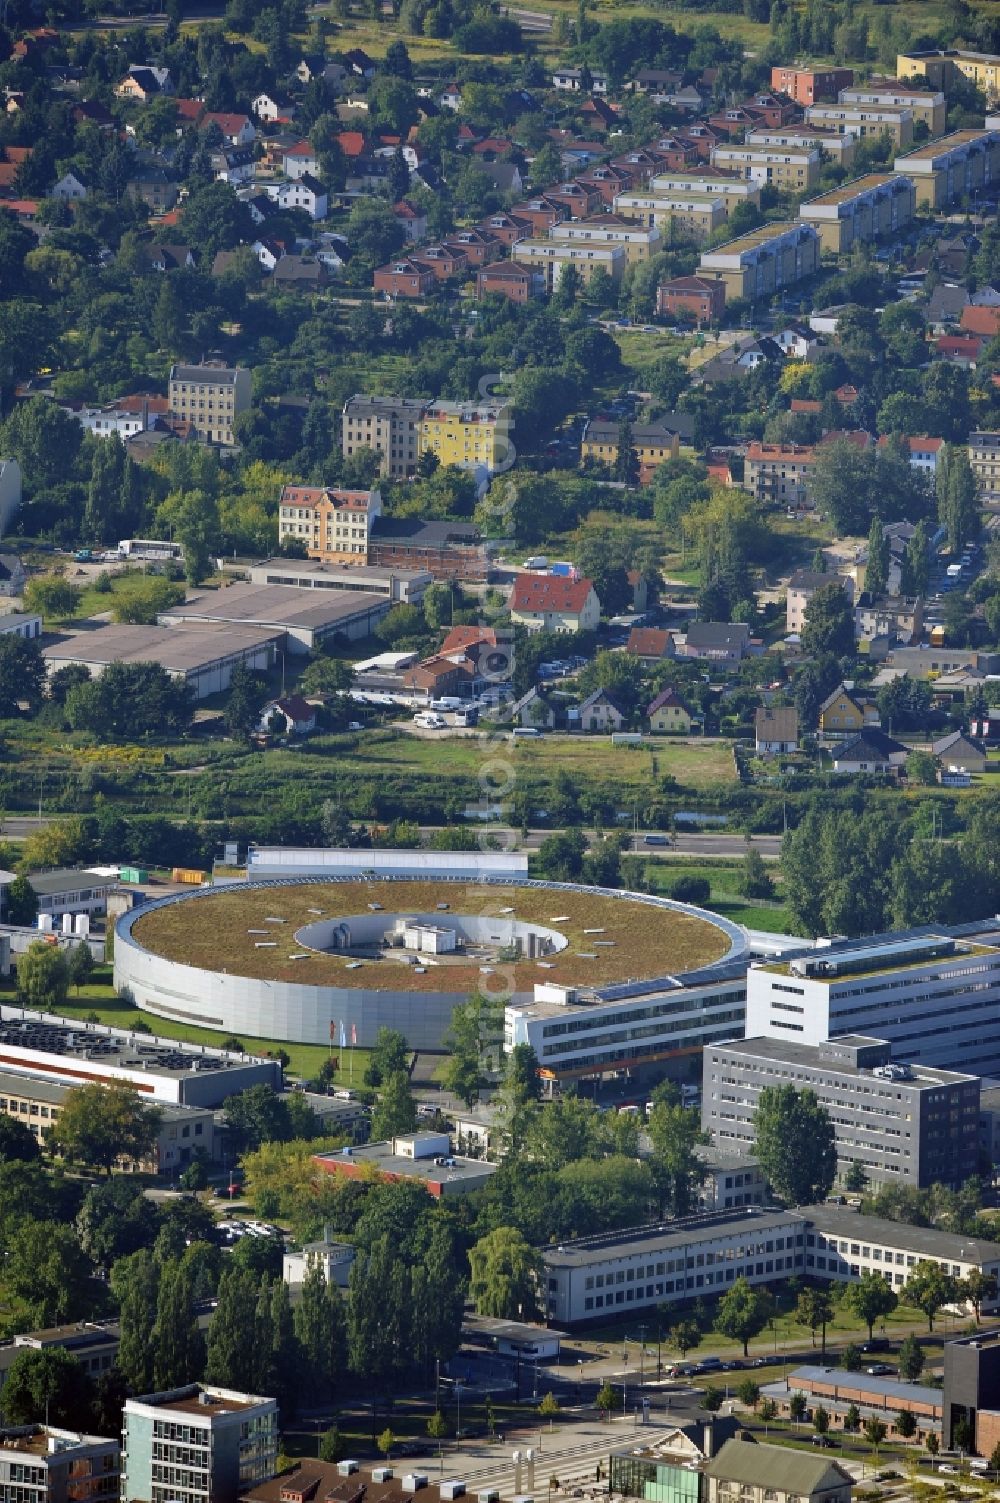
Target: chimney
(708, 1438)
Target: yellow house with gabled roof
(848, 711)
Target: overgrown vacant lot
(637, 939)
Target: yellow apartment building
(860, 212)
(695, 216)
(928, 107)
(552, 256)
(464, 434)
(953, 167)
(765, 260)
(862, 120)
(789, 167)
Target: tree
(255, 1116)
(231, 1355)
(42, 977)
(51, 596)
(115, 1220)
(81, 965)
(796, 1407)
(877, 568)
(815, 1310)
(871, 1297)
(856, 1180)
(22, 675)
(794, 1143)
(685, 1335)
(976, 1287)
(875, 1432)
(331, 1445)
(627, 460)
(178, 1345)
(21, 898)
(605, 1400)
(755, 880)
(18, 1143)
(748, 1392)
(130, 701)
(821, 1420)
(474, 1038)
(768, 1412)
(214, 219)
(852, 1419)
(916, 562)
(134, 1284)
(388, 1057)
(743, 1313)
(957, 497)
(244, 702)
(929, 1287)
(829, 623)
(45, 1385)
(46, 1268)
(549, 1408)
(320, 1328)
(101, 1124)
(505, 1271)
(675, 1134)
(850, 1358)
(396, 1111)
(911, 1359)
(905, 1424)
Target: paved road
(684, 845)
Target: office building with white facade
(40, 1464)
(933, 994)
(197, 1444)
(903, 1124)
(672, 1263)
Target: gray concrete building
(204, 656)
(904, 1124)
(307, 618)
(40, 1464)
(402, 586)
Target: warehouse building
(764, 261)
(304, 620)
(162, 1070)
(956, 166)
(933, 994)
(203, 656)
(902, 1124)
(861, 212)
(401, 586)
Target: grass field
(726, 898)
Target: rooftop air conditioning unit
(414, 1481)
(346, 1468)
(381, 1473)
(453, 1489)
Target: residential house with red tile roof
(549, 602)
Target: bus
(150, 548)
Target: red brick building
(511, 280)
(700, 296)
(404, 278)
(811, 85)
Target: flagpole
(353, 1037)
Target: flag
(343, 1037)
(354, 1034)
(333, 1031)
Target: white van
(521, 731)
(428, 721)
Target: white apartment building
(935, 996)
(40, 1464)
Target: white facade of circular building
(287, 1011)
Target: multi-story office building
(954, 167)
(690, 216)
(765, 261)
(792, 168)
(40, 1464)
(197, 1444)
(860, 212)
(551, 256)
(941, 66)
(639, 1028)
(840, 149)
(646, 1266)
(864, 120)
(334, 524)
(470, 435)
(903, 1124)
(984, 461)
(933, 994)
(94, 1347)
(210, 398)
(928, 107)
(672, 1263)
(390, 426)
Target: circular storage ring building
(294, 959)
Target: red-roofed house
(404, 278)
(650, 644)
(510, 279)
(549, 602)
(981, 321)
(189, 111)
(299, 160)
(291, 716)
(352, 143)
(237, 130)
(924, 451)
(960, 349)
